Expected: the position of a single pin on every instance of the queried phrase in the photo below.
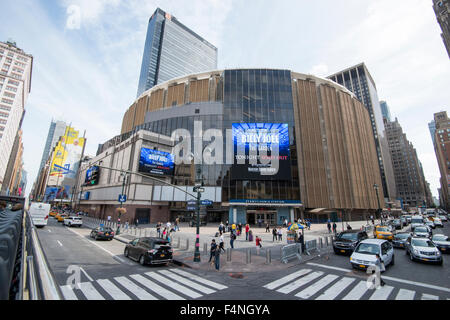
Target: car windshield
(383, 229)
(422, 243)
(440, 237)
(163, 245)
(402, 236)
(105, 229)
(420, 229)
(348, 236)
(417, 220)
(396, 221)
(368, 248)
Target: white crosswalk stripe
(426, 296)
(300, 282)
(316, 287)
(113, 290)
(357, 292)
(187, 282)
(90, 292)
(163, 292)
(287, 278)
(173, 285)
(134, 289)
(336, 289)
(215, 285)
(382, 293)
(68, 293)
(404, 294)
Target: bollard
(268, 256)
(178, 245)
(249, 256)
(321, 243)
(326, 241)
(228, 254)
(205, 249)
(187, 244)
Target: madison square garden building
(284, 145)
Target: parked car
(442, 242)
(443, 218)
(397, 224)
(345, 242)
(430, 224)
(383, 232)
(423, 249)
(149, 250)
(364, 254)
(73, 221)
(422, 232)
(400, 240)
(100, 233)
(438, 222)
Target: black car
(442, 242)
(345, 242)
(149, 250)
(102, 233)
(399, 240)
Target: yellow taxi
(53, 213)
(382, 232)
(61, 217)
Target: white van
(39, 213)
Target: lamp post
(124, 176)
(197, 239)
(375, 186)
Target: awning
(317, 210)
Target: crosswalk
(167, 284)
(319, 285)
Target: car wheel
(142, 260)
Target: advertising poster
(55, 193)
(261, 151)
(156, 162)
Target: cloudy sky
(86, 71)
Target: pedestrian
(221, 243)
(329, 226)
(280, 234)
(334, 227)
(240, 228)
(349, 227)
(247, 228)
(169, 237)
(177, 222)
(380, 264)
(274, 234)
(373, 221)
(126, 225)
(267, 227)
(227, 227)
(232, 238)
(212, 250)
(285, 223)
(250, 235)
(233, 228)
(301, 239)
(220, 229)
(217, 259)
(309, 224)
(168, 225)
(164, 233)
(258, 244)
(158, 229)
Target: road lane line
(404, 294)
(426, 296)
(419, 284)
(60, 244)
(300, 282)
(49, 230)
(134, 289)
(173, 285)
(316, 287)
(113, 290)
(188, 275)
(156, 288)
(286, 279)
(336, 289)
(357, 292)
(187, 282)
(85, 273)
(382, 293)
(90, 292)
(68, 293)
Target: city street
(106, 274)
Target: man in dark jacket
(334, 227)
(213, 249)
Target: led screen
(156, 162)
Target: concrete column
(302, 213)
(234, 215)
(292, 214)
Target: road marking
(419, 284)
(60, 244)
(300, 282)
(49, 230)
(134, 289)
(357, 292)
(187, 282)
(215, 285)
(426, 296)
(156, 288)
(68, 293)
(85, 273)
(316, 287)
(336, 289)
(113, 290)
(287, 278)
(404, 294)
(90, 292)
(174, 285)
(382, 293)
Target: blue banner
(156, 162)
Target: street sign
(122, 198)
(191, 208)
(206, 202)
(199, 189)
(192, 202)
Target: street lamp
(375, 186)
(124, 177)
(197, 239)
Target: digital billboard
(261, 151)
(156, 162)
(92, 176)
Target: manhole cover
(237, 275)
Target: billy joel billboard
(261, 151)
(156, 162)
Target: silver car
(423, 249)
(442, 242)
(438, 223)
(422, 232)
(443, 218)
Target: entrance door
(269, 216)
(143, 215)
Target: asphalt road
(106, 274)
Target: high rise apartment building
(442, 150)
(172, 50)
(358, 80)
(55, 131)
(442, 11)
(410, 181)
(15, 85)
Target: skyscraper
(442, 150)
(172, 50)
(432, 128)
(15, 85)
(442, 11)
(385, 111)
(56, 130)
(358, 80)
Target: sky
(87, 56)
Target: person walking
(329, 226)
(158, 229)
(232, 238)
(301, 239)
(267, 228)
(308, 223)
(217, 259)
(240, 228)
(274, 234)
(220, 229)
(221, 243)
(126, 225)
(247, 228)
(380, 265)
(258, 244)
(177, 222)
(280, 234)
(212, 249)
(349, 227)
(233, 228)
(164, 233)
(334, 227)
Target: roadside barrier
(268, 256)
(289, 252)
(311, 245)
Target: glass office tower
(173, 50)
